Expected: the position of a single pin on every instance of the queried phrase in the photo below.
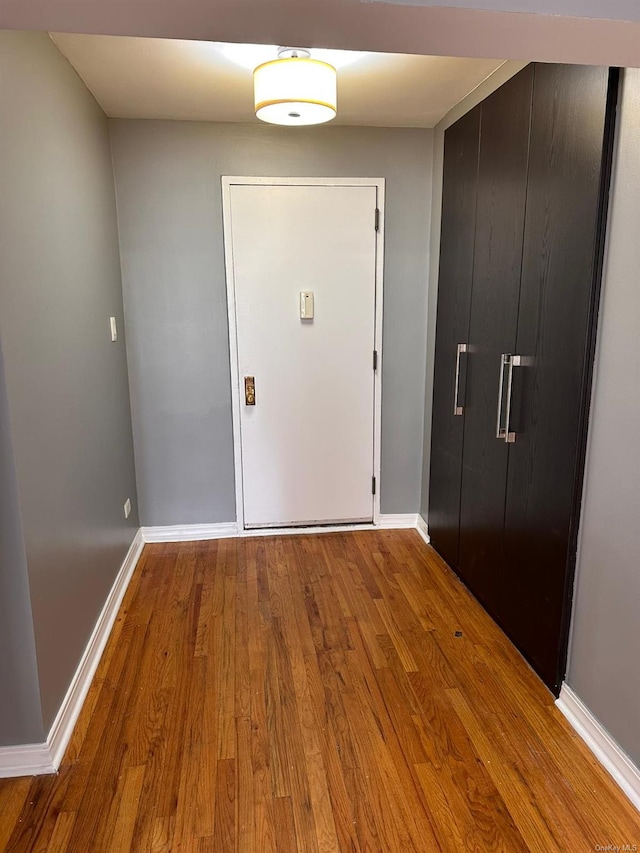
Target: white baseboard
(608, 752)
(67, 716)
(200, 532)
(40, 758)
(189, 532)
(31, 759)
(423, 530)
(397, 522)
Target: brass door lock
(249, 391)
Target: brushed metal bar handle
(505, 359)
(458, 410)
(515, 361)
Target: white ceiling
(211, 81)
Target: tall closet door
(454, 300)
(502, 185)
(559, 269)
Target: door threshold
(311, 528)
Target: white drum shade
(295, 91)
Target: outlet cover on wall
(127, 508)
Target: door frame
(236, 390)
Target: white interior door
(307, 445)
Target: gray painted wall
(170, 221)
(605, 642)
(66, 382)
(20, 717)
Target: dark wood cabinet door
(502, 187)
(452, 328)
(557, 298)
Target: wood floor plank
(336, 693)
(285, 828)
(279, 745)
(224, 657)
(161, 835)
(263, 817)
(389, 788)
(243, 671)
(245, 792)
(198, 766)
(298, 770)
(36, 820)
(350, 798)
(538, 832)
(470, 789)
(454, 824)
(128, 811)
(394, 633)
(13, 797)
(391, 748)
(298, 664)
(62, 832)
(332, 810)
(224, 837)
(174, 678)
(203, 805)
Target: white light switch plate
(114, 328)
(127, 508)
(306, 304)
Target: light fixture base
(293, 53)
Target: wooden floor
(340, 692)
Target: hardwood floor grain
(338, 693)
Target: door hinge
(377, 219)
(373, 485)
(375, 359)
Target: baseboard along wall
(607, 750)
(29, 759)
(197, 532)
(41, 758)
(189, 532)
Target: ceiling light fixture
(295, 89)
